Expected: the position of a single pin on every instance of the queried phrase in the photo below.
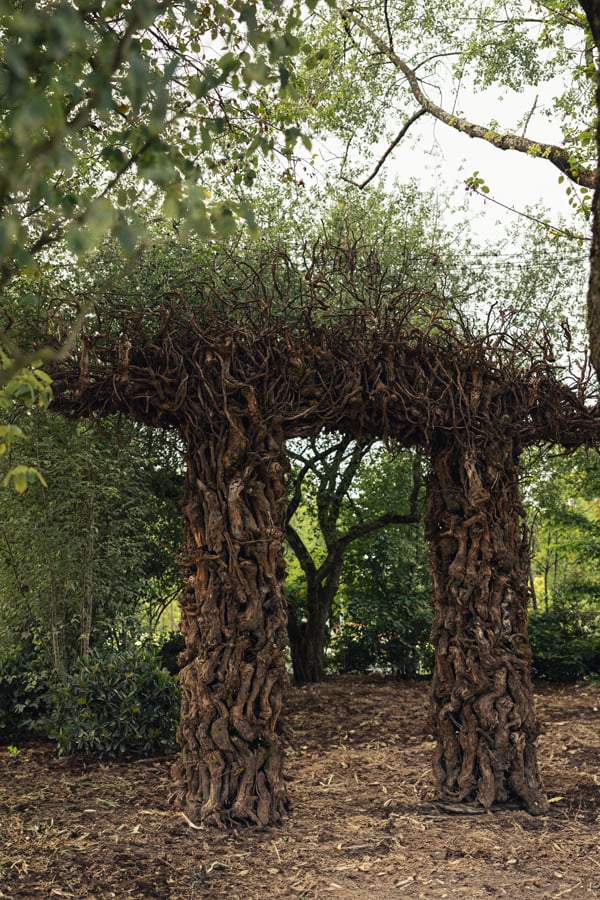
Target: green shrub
(360, 648)
(24, 686)
(168, 650)
(565, 642)
(353, 648)
(116, 702)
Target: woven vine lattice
(286, 350)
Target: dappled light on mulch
(362, 826)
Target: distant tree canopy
(387, 66)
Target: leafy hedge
(116, 702)
(24, 684)
(565, 642)
(390, 647)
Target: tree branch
(558, 156)
(335, 486)
(297, 479)
(300, 549)
(390, 149)
(364, 528)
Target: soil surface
(362, 824)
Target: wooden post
(482, 698)
(234, 622)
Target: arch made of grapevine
(287, 354)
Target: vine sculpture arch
(281, 353)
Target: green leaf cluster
(106, 106)
(91, 556)
(115, 702)
(24, 684)
(19, 387)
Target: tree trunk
(308, 639)
(592, 11)
(306, 650)
(234, 623)
(482, 699)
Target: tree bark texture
(591, 9)
(593, 293)
(482, 699)
(234, 623)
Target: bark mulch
(362, 824)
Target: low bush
(116, 702)
(565, 642)
(360, 648)
(168, 650)
(24, 685)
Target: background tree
(323, 475)
(88, 553)
(563, 511)
(591, 9)
(388, 66)
(383, 610)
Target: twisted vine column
(482, 698)
(234, 623)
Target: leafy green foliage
(115, 702)
(400, 649)
(92, 548)
(356, 571)
(385, 60)
(168, 650)
(383, 606)
(19, 388)
(24, 685)
(565, 641)
(561, 496)
(105, 105)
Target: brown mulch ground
(361, 827)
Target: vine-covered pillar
(482, 698)
(234, 623)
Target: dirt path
(361, 826)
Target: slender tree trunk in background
(592, 12)
(308, 639)
(234, 623)
(86, 606)
(306, 648)
(532, 590)
(482, 698)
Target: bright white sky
(439, 158)
(514, 179)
